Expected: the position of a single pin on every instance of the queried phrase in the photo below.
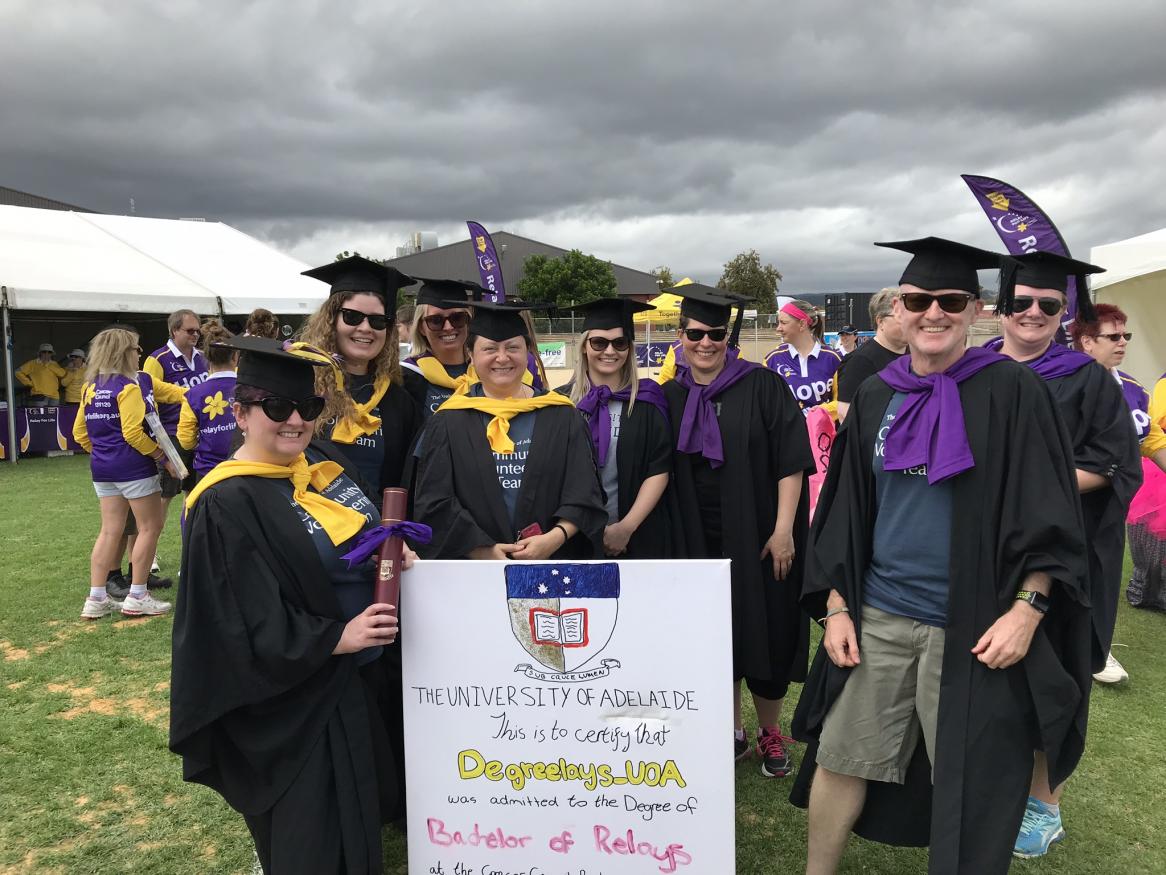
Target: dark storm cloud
(645, 132)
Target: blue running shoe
(1039, 829)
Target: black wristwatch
(1036, 599)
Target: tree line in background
(577, 278)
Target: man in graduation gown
(947, 555)
(1105, 453)
(506, 457)
(741, 466)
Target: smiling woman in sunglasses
(505, 470)
(288, 729)
(367, 410)
(440, 361)
(742, 456)
(630, 432)
(1108, 471)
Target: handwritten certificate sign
(568, 718)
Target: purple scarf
(1055, 362)
(594, 404)
(929, 429)
(699, 431)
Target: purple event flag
(489, 265)
(699, 430)
(929, 429)
(1021, 225)
(594, 404)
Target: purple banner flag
(489, 265)
(1021, 224)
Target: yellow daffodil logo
(87, 393)
(216, 405)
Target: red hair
(1102, 313)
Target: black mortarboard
(265, 364)
(500, 321)
(1047, 270)
(438, 293)
(945, 264)
(359, 274)
(711, 306)
(848, 329)
(605, 313)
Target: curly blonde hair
(320, 330)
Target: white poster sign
(554, 354)
(568, 718)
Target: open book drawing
(565, 629)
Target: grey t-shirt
(608, 474)
(909, 572)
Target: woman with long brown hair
(368, 412)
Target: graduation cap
(269, 364)
(499, 321)
(439, 293)
(605, 313)
(945, 264)
(711, 306)
(1047, 270)
(359, 274)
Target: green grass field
(87, 784)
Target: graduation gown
(457, 491)
(1017, 511)
(764, 436)
(644, 449)
(1104, 442)
(260, 709)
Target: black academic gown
(456, 489)
(260, 709)
(401, 421)
(645, 449)
(1104, 442)
(765, 439)
(1017, 511)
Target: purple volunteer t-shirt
(112, 459)
(211, 402)
(812, 378)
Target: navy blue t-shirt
(510, 467)
(367, 452)
(909, 572)
(353, 585)
(435, 396)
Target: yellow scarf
(338, 521)
(346, 430)
(434, 372)
(498, 429)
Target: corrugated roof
(13, 198)
(457, 261)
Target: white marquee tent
(1135, 280)
(85, 263)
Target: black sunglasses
(457, 321)
(696, 335)
(920, 302)
(376, 321)
(1117, 335)
(1048, 306)
(599, 344)
(280, 409)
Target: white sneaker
(146, 606)
(95, 609)
(1113, 673)
(154, 569)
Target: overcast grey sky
(649, 133)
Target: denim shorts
(128, 489)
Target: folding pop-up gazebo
(66, 273)
(1135, 280)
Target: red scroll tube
(387, 587)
